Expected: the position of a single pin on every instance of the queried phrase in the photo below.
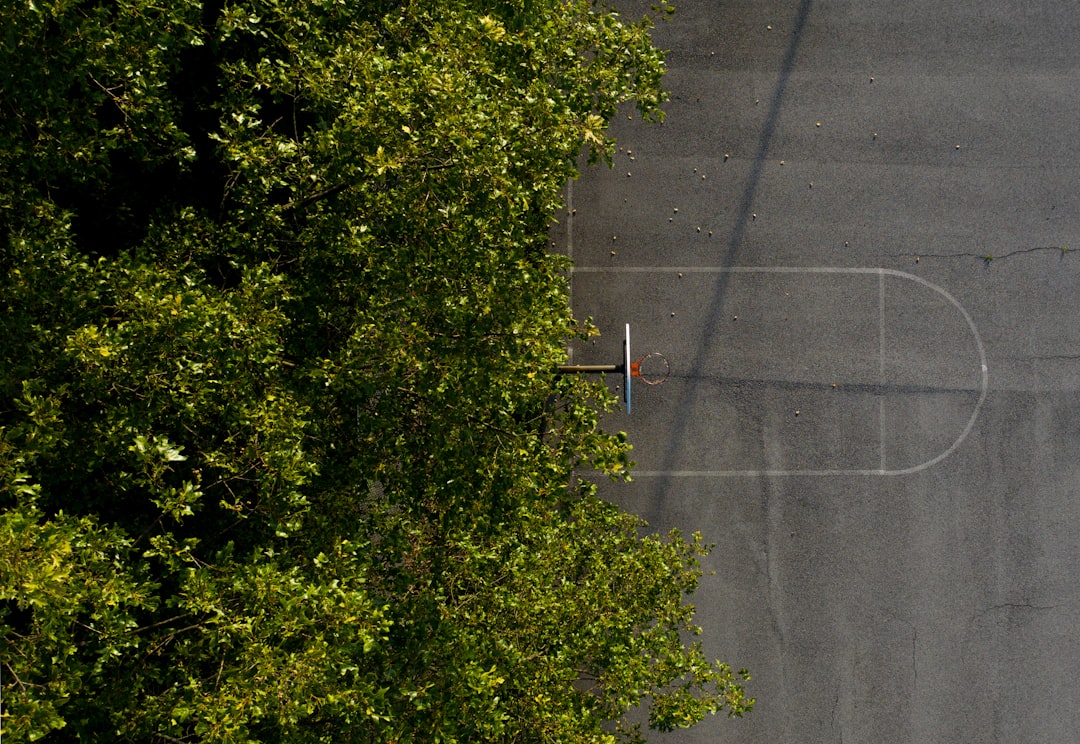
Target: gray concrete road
(877, 426)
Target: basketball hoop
(652, 369)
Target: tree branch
(312, 198)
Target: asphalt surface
(872, 324)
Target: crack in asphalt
(836, 724)
(989, 256)
(977, 615)
(1018, 606)
(914, 657)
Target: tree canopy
(283, 452)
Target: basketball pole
(627, 369)
(589, 368)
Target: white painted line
(984, 383)
(881, 272)
(570, 255)
(570, 219)
(881, 366)
(750, 473)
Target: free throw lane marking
(882, 273)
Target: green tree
(283, 456)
